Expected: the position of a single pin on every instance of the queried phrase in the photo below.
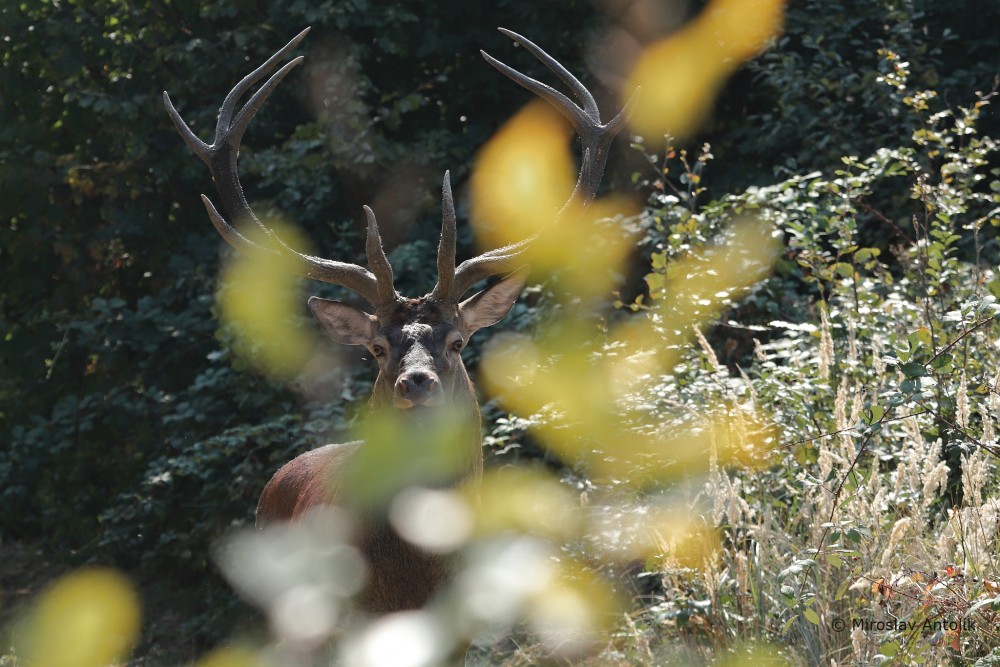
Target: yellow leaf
(681, 75)
(86, 619)
(259, 299)
(235, 656)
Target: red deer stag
(416, 342)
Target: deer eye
(378, 350)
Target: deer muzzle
(418, 388)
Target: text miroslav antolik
(904, 626)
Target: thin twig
(55, 357)
(962, 335)
(844, 430)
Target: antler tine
(589, 103)
(595, 152)
(491, 263)
(229, 233)
(595, 136)
(197, 146)
(352, 276)
(236, 202)
(239, 126)
(221, 157)
(223, 127)
(379, 262)
(443, 291)
(577, 116)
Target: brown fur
(312, 480)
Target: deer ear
(345, 324)
(486, 308)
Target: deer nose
(416, 388)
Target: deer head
(416, 342)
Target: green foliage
(129, 434)
(871, 348)
(814, 97)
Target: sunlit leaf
(521, 181)
(260, 300)
(575, 612)
(301, 574)
(437, 521)
(527, 501)
(89, 618)
(522, 176)
(681, 74)
(425, 447)
(232, 656)
(403, 639)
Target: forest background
(132, 436)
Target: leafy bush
(879, 505)
(129, 326)
(129, 433)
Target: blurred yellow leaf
(640, 459)
(755, 656)
(743, 28)
(679, 78)
(527, 501)
(698, 286)
(259, 298)
(681, 75)
(521, 181)
(232, 656)
(583, 388)
(575, 612)
(674, 535)
(522, 176)
(405, 448)
(89, 618)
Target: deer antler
(221, 156)
(596, 138)
(376, 286)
